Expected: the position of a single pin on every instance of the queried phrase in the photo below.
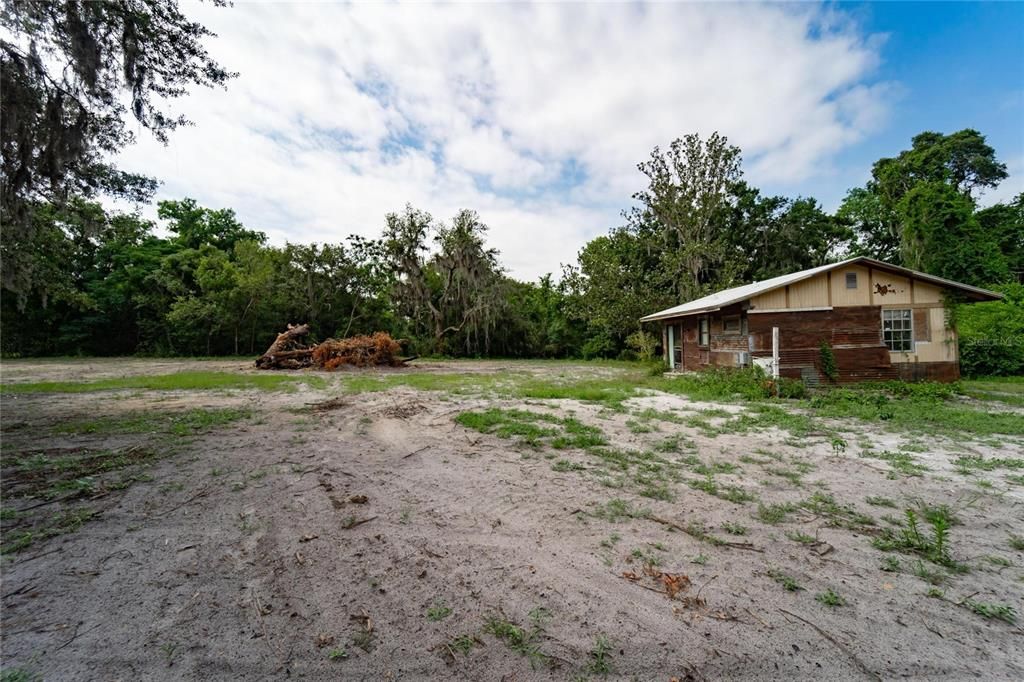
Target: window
(731, 324)
(898, 330)
(851, 280)
(704, 335)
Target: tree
(65, 68)
(962, 161)
(195, 225)
(1005, 222)
(687, 202)
(942, 236)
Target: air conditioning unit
(743, 359)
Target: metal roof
(741, 293)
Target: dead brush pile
(358, 351)
(288, 351)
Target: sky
(535, 116)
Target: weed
(840, 515)
(600, 658)
(830, 598)
(1003, 612)
(180, 381)
(901, 462)
(935, 593)
(364, 640)
(890, 564)
(970, 463)
(999, 561)
(911, 539)
(438, 612)
(521, 640)
(566, 465)
(177, 423)
(877, 501)
(611, 540)
(734, 528)
(337, 654)
(463, 644)
(1016, 542)
(802, 538)
(533, 428)
(616, 510)
(786, 581)
(700, 559)
(775, 513)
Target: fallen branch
(720, 543)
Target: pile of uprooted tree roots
(289, 351)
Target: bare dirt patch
(371, 536)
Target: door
(677, 332)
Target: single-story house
(881, 322)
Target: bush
(992, 334)
(643, 343)
(750, 383)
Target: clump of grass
(533, 428)
(972, 463)
(179, 381)
(911, 538)
(802, 538)
(600, 657)
(177, 423)
(877, 501)
(839, 515)
(900, 462)
(463, 644)
(787, 582)
(734, 528)
(1003, 612)
(775, 513)
(830, 598)
(890, 564)
(524, 641)
(1016, 542)
(615, 510)
(438, 612)
(566, 465)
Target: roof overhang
(728, 297)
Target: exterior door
(677, 332)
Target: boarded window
(922, 326)
(898, 330)
(704, 332)
(731, 324)
(851, 280)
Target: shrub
(992, 334)
(828, 362)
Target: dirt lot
(339, 530)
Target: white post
(775, 352)
(671, 347)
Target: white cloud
(345, 112)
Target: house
(881, 322)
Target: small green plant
(600, 657)
(463, 644)
(337, 654)
(700, 559)
(789, 583)
(438, 612)
(774, 513)
(935, 593)
(521, 640)
(880, 501)
(734, 528)
(890, 564)
(1016, 542)
(1003, 612)
(802, 538)
(827, 360)
(911, 538)
(830, 598)
(611, 540)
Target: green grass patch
(533, 428)
(179, 381)
(178, 423)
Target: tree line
(79, 279)
(107, 284)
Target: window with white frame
(898, 330)
(704, 328)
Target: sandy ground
(261, 548)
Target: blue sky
(957, 65)
(536, 115)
